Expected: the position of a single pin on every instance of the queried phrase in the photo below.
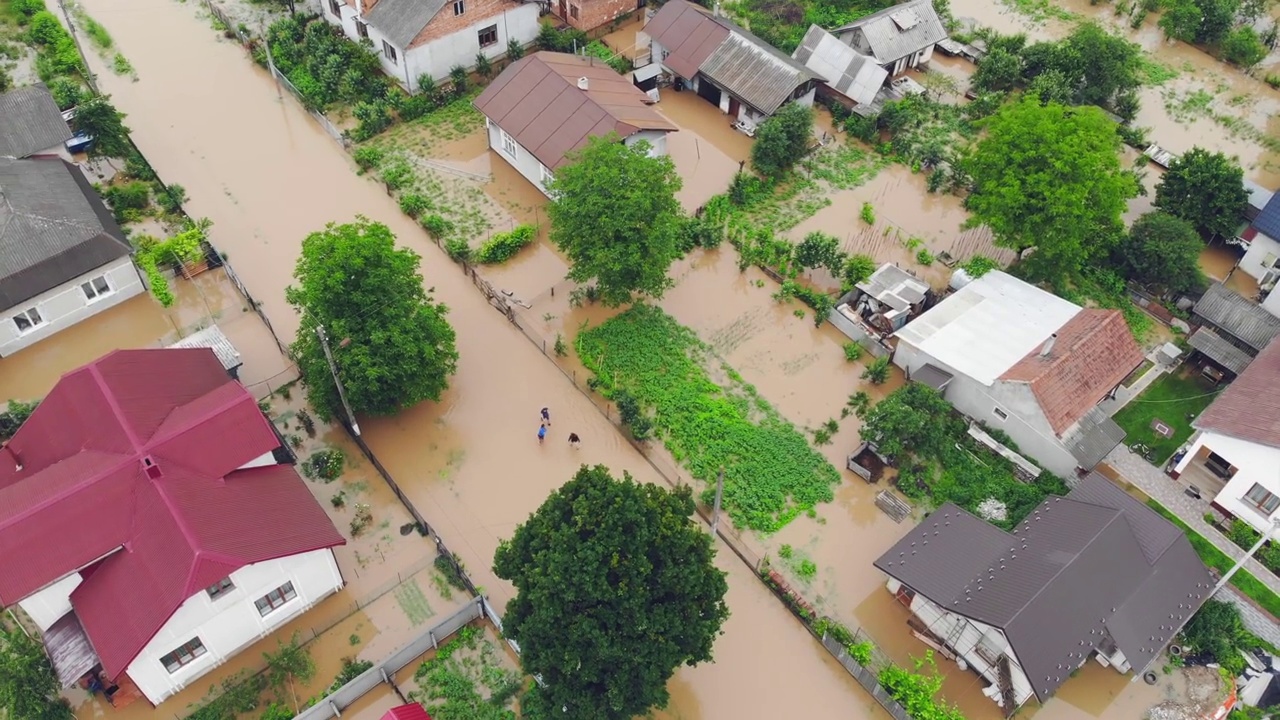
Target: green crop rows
(771, 472)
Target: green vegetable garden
(771, 473)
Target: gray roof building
(845, 70)
(53, 228)
(1237, 316)
(213, 338)
(30, 122)
(1095, 569)
(402, 20)
(895, 32)
(1268, 221)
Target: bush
(852, 351)
(599, 50)
(44, 28)
(1218, 630)
(858, 268)
(504, 246)
(868, 213)
(458, 249)
(323, 65)
(567, 40)
(26, 8)
(459, 80)
(67, 92)
(924, 257)
(368, 157)
(374, 117)
(325, 464)
(436, 226)
(878, 371)
(515, 50)
(413, 204)
(416, 106)
(128, 200)
(484, 67)
(170, 198)
(397, 174)
(1243, 47)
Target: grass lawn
(1174, 400)
(1215, 558)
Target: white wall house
(899, 38)
(1261, 260)
(527, 107)
(77, 299)
(413, 38)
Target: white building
(899, 38)
(1026, 362)
(62, 256)
(744, 76)
(548, 104)
(1235, 453)
(149, 528)
(31, 124)
(1261, 259)
(430, 37)
(1095, 574)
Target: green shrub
(458, 249)
(170, 198)
(924, 257)
(878, 371)
(368, 157)
(128, 200)
(567, 40)
(515, 50)
(858, 268)
(618, 62)
(66, 91)
(436, 226)
(504, 246)
(397, 174)
(416, 106)
(1243, 47)
(26, 8)
(323, 65)
(459, 80)
(413, 204)
(852, 351)
(1273, 81)
(868, 214)
(325, 464)
(484, 66)
(374, 117)
(44, 28)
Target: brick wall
(446, 23)
(594, 13)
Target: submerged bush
(504, 246)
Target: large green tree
(912, 419)
(782, 140)
(28, 687)
(1205, 189)
(616, 588)
(390, 339)
(1163, 250)
(1048, 177)
(614, 213)
(99, 118)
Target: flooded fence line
(866, 677)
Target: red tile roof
(84, 492)
(412, 711)
(1092, 353)
(1249, 409)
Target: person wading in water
(574, 441)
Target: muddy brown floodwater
(258, 166)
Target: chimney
(1048, 345)
(151, 468)
(582, 83)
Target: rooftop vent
(151, 468)
(582, 83)
(1048, 345)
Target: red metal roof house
(146, 527)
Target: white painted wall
(66, 305)
(1255, 463)
(1271, 303)
(48, 605)
(1262, 250)
(260, 461)
(231, 622)
(1025, 423)
(532, 170)
(439, 56)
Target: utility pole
(715, 509)
(333, 368)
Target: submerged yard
(1172, 401)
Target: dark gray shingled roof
(1078, 567)
(1238, 315)
(53, 228)
(402, 20)
(1268, 221)
(30, 122)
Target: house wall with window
(535, 172)
(58, 309)
(206, 630)
(1262, 257)
(588, 15)
(1255, 464)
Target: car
(80, 142)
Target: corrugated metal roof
(412, 711)
(844, 69)
(894, 286)
(1268, 221)
(688, 34)
(537, 101)
(1238, 315)
(30, 122)
(402, 20)
(84, 456)
(1249, 408)
(1074, 567)
(69, 649)
(887, 37)
(1091, 354)
(213, 338)
(1220, 351)
(1093, 438)
(53, 228)
(987, 326)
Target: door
(709, 92)
(564, 10)
(733, 107)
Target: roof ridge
(157, 439)
(70, 489)
(59, 221)
(98, 380)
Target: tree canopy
(782, 140)
(616, 588)
(391, 341)
(1163, 250)
(614, 212)
(99, 118)
(1205, 189)
(28, 687)
(1048, 177)
(912, 419)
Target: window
(389, 52)
(183, 655)
(220, 588)
(274, 599)
(1000, 413)
(335, 7)
(546, 174)
(1262, 499)
(489, 36)
(362, 29)
(95, 288)
(28, 320)
(508, 143)
(1270, 261)
(459, 6)
(573, 11)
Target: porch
(1203, 475)
(76, 664)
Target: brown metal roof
(1078, 567)
(537, 101)
(1249, 408)
(687, 33)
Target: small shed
(889, 299)
(213, 338)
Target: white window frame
(389, 52)
(195, 650)
(1260, 505)
(220, 588)
(91, 291)
(32, 316)
(480, 36)
(459, 7)
(287, 594)
(509, 144)
(362, 29)
(1000, 414)
(545, 174)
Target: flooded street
(262, 170)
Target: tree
(1052, 86)
(819, 249)
(1048, 177)
(1218, 630)
(999, 71)
(1243, 47)
(391, 342)
(1181, 20)
(782, 140)
(1205, 189)
(857, 268)
(614, 213)
(28, 686)
(1163, 250)
(288, 663)
(1105, 64)
(616, 588)
(911, 420)
(96, 116)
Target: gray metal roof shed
(30, 122)
(1219, 350)
(213, 338)
(844, 69)
(402, 20)
(1237, 315)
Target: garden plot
(471, 676)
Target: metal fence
(327, 125)
(867, 677)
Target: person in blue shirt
(542, 433)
